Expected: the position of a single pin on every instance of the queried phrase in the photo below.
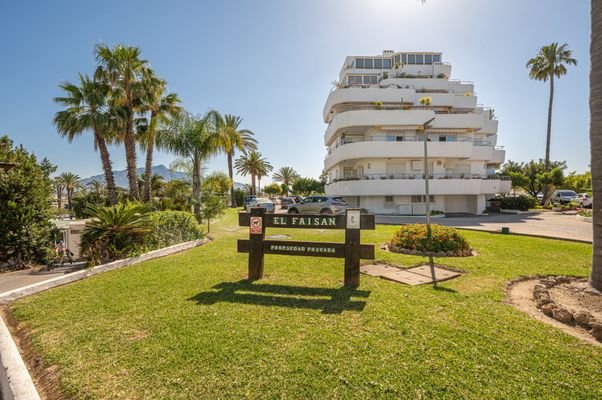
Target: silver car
(319, 205)
(262, 202)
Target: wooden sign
(352, 250)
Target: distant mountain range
(121, 177)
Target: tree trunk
(196, 186)
(231, 174)
(69, 193)
(253, 184)
(130, 158)
(259, 185)
(595, 137)
(546, 188)
(150, 147)
(106, 167)
(59, 197)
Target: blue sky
(272, 61)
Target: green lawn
(188, 327)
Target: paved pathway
(550, 224)
(18, 279)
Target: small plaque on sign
(255, 225)
(353, 219)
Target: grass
(189, 327)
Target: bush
(168, 228)
(26, 233)
(521, 203)
(585, 213)
(413, 237)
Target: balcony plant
(378, 105)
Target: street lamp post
(426, 101)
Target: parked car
(563, 196)
(319, 205)
(262, 202)
(285, 202)
(298, 199)
(584, 200)
(248, 200)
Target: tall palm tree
(124, 69)
(87, 109)
(162, 107)
(231, 138)
(252, 163)
(264, 170)
(71, 182)
(595, 137)
(59, 186)
(286, 176)
(549, 63)
(192, 138)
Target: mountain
(121, 177)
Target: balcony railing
(368, 177)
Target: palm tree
(595, 137)
(252, 163)
(549, 63)
(86, 109)
(162, 107)
(71, 182)
(59, 186)
(98, 187)
(192, 138)
(124, 70)
(287, 176)
(231, 139)
(113, 232)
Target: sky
(272, 63)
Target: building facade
(376, 129)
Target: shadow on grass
(247, 292)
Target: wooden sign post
(352, 250)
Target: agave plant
(113, 232)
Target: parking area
(548, 224)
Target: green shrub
(413, 237)
(168, 228)
(521, 203)
(585, 213)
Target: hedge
(443, 239)
(168, 228)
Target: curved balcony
(401, 118)
(393, 187)
(392, 95)
(385, 149)
(369, 118)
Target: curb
(15, 381)
(584, 219)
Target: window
(411, 58)
(387, 63)
(399, 138)
(428, 58)
(368, 63)
(422, 198)
(397, 59)
(404, 58)
(378, 63)
(419, 59)
(359, 63)
(436, 57)
(390, 138)
(388, 199)
(354, 79)
(443, 138)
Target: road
(18, 279)
(548, 224)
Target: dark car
(297, 199)
(285, 202)
(248, 200)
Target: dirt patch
(45, 377)
(520, 295)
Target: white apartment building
(375, 143)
